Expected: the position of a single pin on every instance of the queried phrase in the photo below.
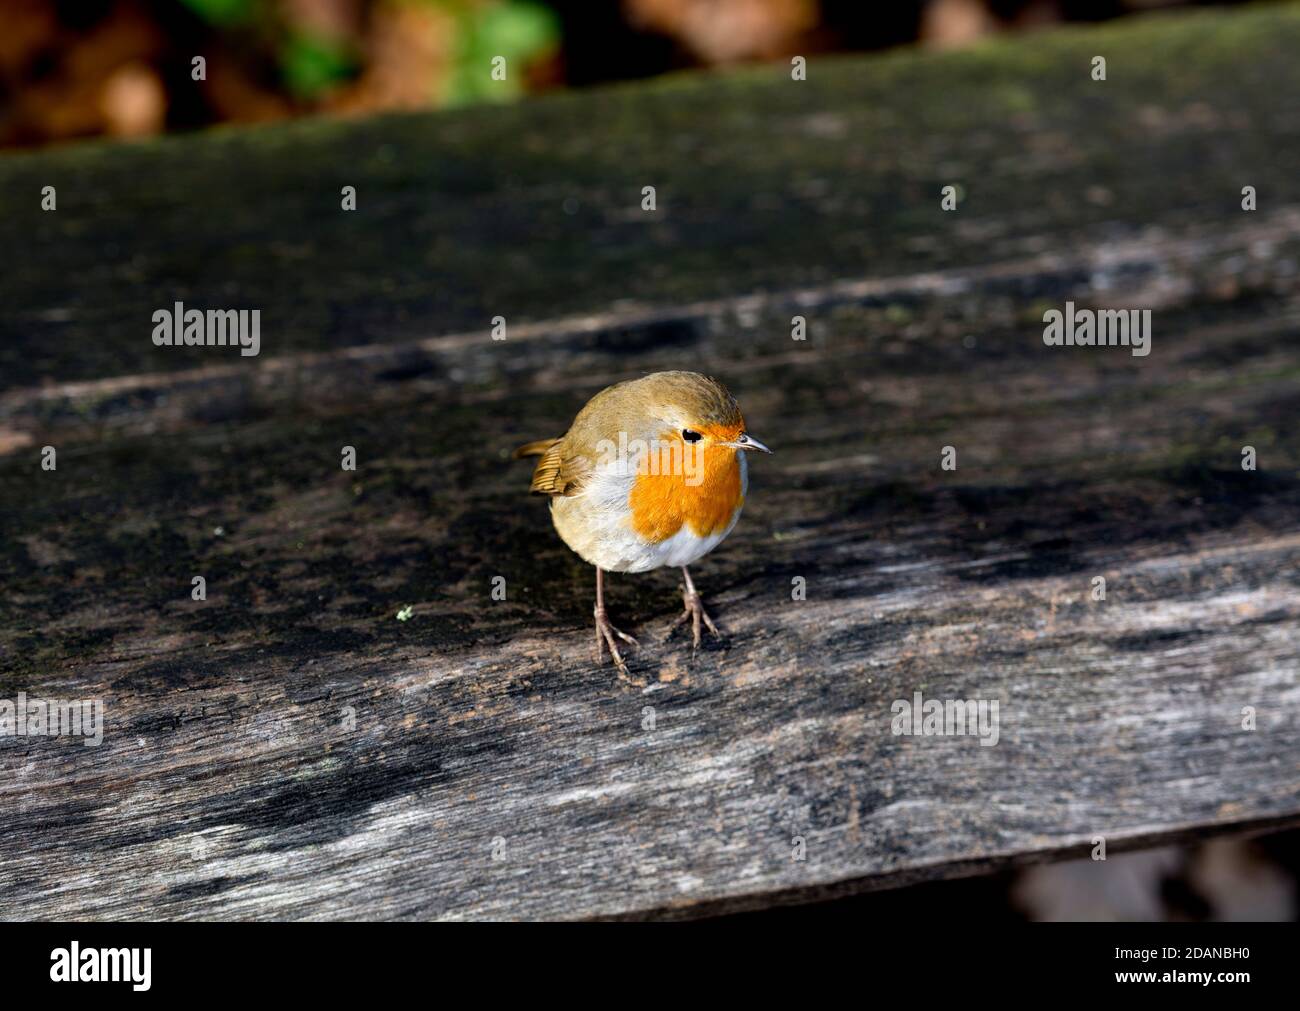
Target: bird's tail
(537, 448)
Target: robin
(651, 473)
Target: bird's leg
(694, 612)
(605, 632)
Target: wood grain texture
(231, 784)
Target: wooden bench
(287, 748)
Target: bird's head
(694, 408)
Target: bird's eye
(690, 436)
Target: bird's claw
(694, 613)
(606, 635)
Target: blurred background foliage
(124, 68)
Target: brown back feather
(534, 448)
(551, 476)
(548, 478)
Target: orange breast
(701, 493)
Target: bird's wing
(534, 448)
(560, 471)
(548, 478)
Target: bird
(651, 473)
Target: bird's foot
(608, 635)
(694, 613)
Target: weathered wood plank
(229, 784)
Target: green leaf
(311, 65)
(221, 12)
(520, 32)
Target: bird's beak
(747, 442)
